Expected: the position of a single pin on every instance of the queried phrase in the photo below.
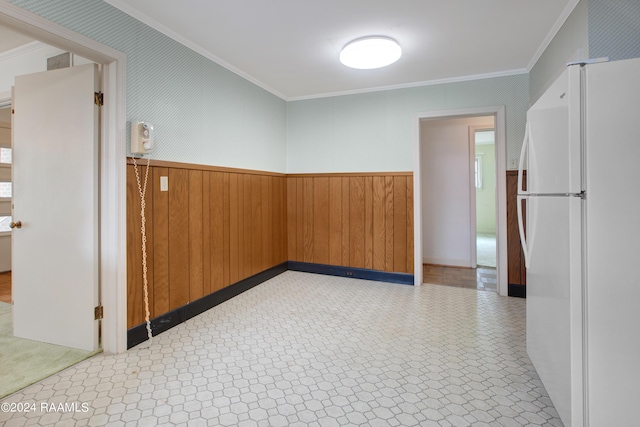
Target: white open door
(55, 199)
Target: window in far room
(5, 189)
(478, 168)
(5, 155)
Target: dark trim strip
(517, 290)
(138, 334)
(355, 273)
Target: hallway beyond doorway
(464, 251)
(481, 278)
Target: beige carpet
(24, 362)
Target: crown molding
(135, 13)
(552, 33)
(415, 84)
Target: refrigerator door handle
(523, 152)
(523, 238)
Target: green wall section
(486, 196)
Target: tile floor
(312, 350)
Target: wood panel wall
(351, 220)
(217, 226)
(212, 228)
(517, 272)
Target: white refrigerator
(582, 242)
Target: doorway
(50, 324)
(461, 254)
(485, 187)
(112, 163)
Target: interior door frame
(112, 223)
(473, 222)
(473, 196)
(498, 111)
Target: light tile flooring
(312, 350)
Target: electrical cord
(142, 189)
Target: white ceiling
(291, 47)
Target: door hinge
(98, 312)
(98, 98)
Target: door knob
(16, 224)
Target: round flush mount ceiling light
(370, 52)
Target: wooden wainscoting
(352, 220)
(517, 272)
(212, 228)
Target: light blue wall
(377, 131)
(595, 29)
(569, 44)
(614, 29)
(202, 112)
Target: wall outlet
(164, 183)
